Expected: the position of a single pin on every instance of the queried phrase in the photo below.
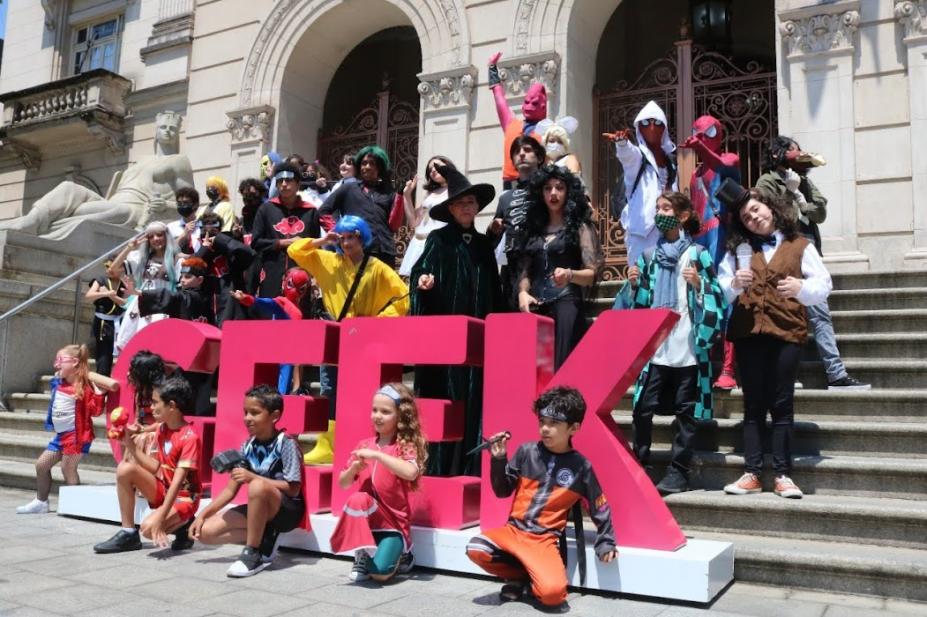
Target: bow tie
(760, 241)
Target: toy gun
(228, 460)
(118, 419)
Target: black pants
(768, 367)
(569, 326)
(667, 390)
(104, 335)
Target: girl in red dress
(375, 524)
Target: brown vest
(759, 309)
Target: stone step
(826, 438)
(887, 522)
(876, 299)
(886, 320)
(855, 476)
(897, 345)
(844, 567)
(877, 405)
(57, 305)
(21, 474)
(31, 418)
(27, 445)
(880, 280)
(881, 373)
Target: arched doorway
(726, 69)
(373, 98)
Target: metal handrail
(60, 283)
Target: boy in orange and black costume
(548, 477)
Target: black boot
(182, 540)
(673, 482)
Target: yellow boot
(323, 453)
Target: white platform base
(695, 573)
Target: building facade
(83, 80)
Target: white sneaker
(249, 563)
(33, 507)
(360, 571)
(799, 385)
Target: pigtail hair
(82, 380)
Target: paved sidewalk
(47, 567)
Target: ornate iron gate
(688, 82)
(390, 123)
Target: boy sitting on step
(549, 478)
(162, 465)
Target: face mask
(212, 193)
(185, 211)
(554, 149)
(666, 222)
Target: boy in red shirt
(548, 478)
(163, 466)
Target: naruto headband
(192, 270)
(553, 414)
(284, 175)
(391, 393)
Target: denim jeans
(823, 327)
(328, 385)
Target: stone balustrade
(91, 91)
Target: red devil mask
(711, 132)
(295, 284)
(534, 107)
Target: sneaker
(512, 592)
(848, 383)
(182, 540)
(269, 544)
(249, 563)
(725, 382)
(361, 570)
(673, 482)
(786, 488)
(406, 563)
(121, 542)
(746, 484)
(33, 507)
(799, 385)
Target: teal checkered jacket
(706, 311)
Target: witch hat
(458, 186)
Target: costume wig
(350, 224)
(576, 210)
(382, 159)
(220, 185)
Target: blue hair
(350, 224)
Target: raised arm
(498, 92)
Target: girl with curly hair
(376, 522)
(562, 255)
(771, 274)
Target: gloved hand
(792, 180)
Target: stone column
(251, 129)
(444, 125)
(913, 18)
(816, 77)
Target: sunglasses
(65, 360)
(647, 121)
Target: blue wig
(350, 224)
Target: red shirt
(390, 491)
(175, 449)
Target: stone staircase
(861, 457)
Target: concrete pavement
(47, 567)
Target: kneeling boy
(163, 466)
(274, 478)
(549, 477)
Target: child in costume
(162, 465)
(146, 369)
(106, 293)
(679, 275)
(375, 524)
(549, 479)
(74, 402)
(770, 273)
(273, 477)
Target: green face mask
(665, 222)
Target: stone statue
(167, 135)
(144, 192)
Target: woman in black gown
(562, 255)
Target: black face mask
(251, 200)
(212, 193)
(185, 210)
